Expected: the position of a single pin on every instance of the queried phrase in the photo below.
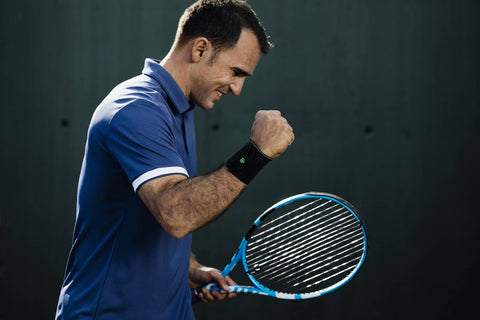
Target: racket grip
(211, 287)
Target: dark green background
(384, 97)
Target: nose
(236, 86)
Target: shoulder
(137, 100)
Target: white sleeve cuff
(157, 173)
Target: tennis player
(139, 196)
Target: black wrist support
(247, 162)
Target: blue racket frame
(258, 288)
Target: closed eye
(237, 72)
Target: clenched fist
(271, 133)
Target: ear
(201, 49)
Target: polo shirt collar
(153, 69)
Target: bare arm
(183, 205)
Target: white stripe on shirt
(157, 173)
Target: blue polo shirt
(122, 264)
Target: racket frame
(257, 287)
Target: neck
(175, 64)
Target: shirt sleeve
(141, 139)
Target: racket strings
(275, 243)
(316, 247)
(289, 278)
(302, 243)
(310, 271)
(272, 235)
(280, 225)
(298, 230)
(283, 265)
(342, 269)
(281, 218)
(307, 276)
(306, 249)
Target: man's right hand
(271, 133)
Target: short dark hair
(221, 22)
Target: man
(139, 197)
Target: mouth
(219, 95)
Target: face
(211, 79)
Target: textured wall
(384, 97)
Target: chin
(207, 106)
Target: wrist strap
(247, 162)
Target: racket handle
(211, 287)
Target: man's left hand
(200, 275)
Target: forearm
(194, 265)
(183, 205)
(195, 278)
(188, 204)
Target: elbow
(174, 225)
(176, 233)
(165, 204)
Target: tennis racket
(302, 247)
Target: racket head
(304, 246)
